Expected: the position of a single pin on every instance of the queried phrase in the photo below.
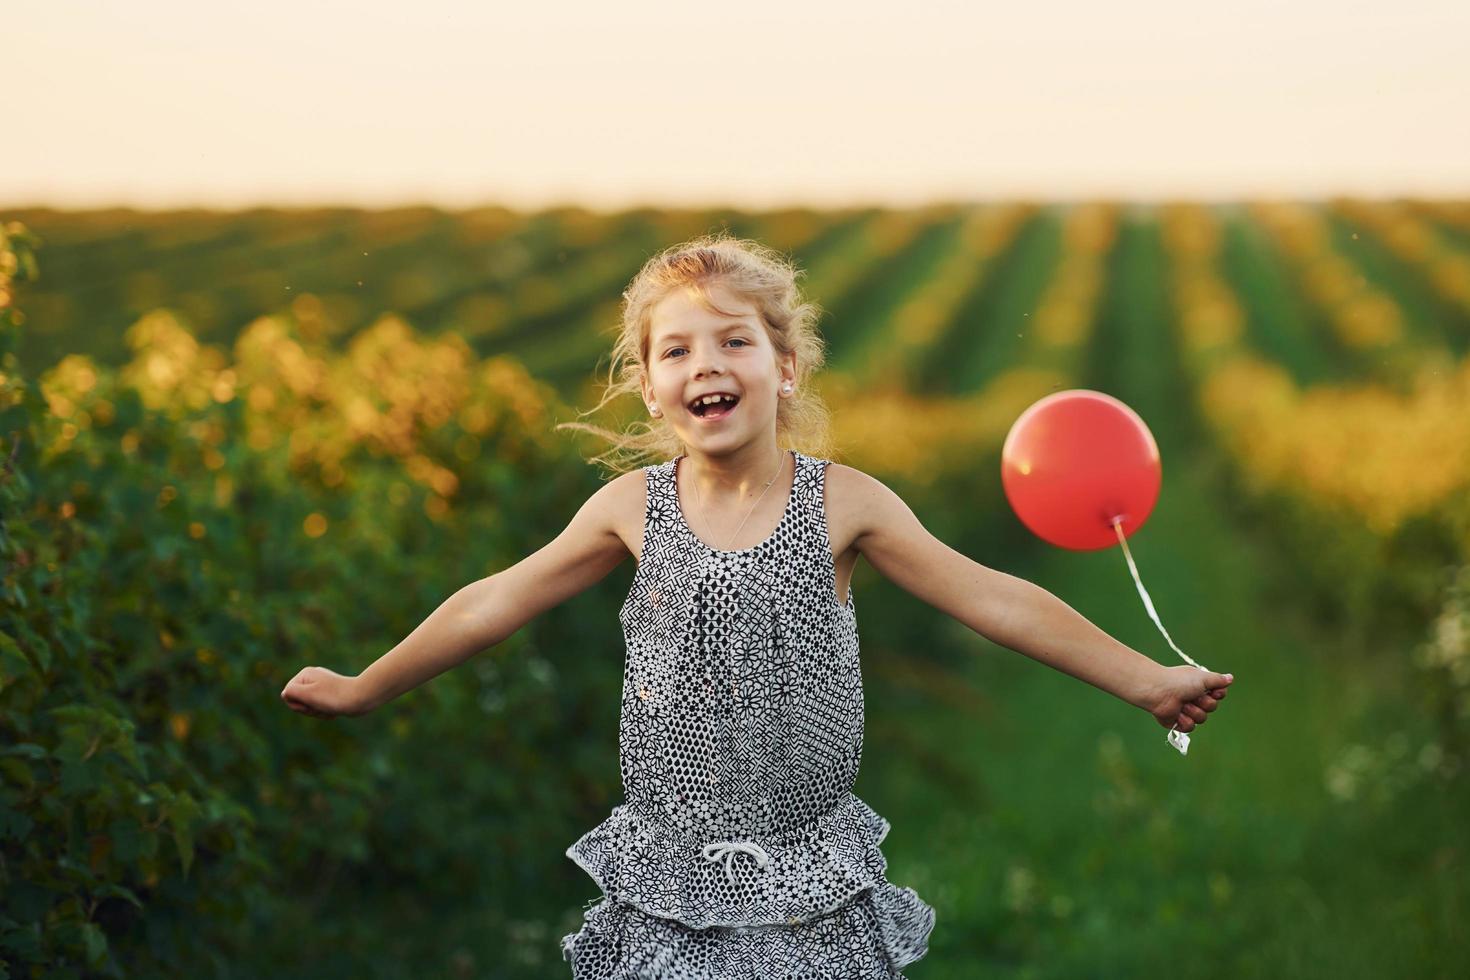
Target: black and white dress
(740, 850)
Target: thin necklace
(704, 517)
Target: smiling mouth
(716, 410)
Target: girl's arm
(1003, 608)
(488, 611)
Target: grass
(1091, 848)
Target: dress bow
(728, 850)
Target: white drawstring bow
(728, 850)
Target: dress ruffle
(810, 872)
(820, 891)
(870, 938)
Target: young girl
(740, 850)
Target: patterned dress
(740, 850)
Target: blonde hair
(756, 273)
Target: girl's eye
(730, 341)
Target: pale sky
(164, 103)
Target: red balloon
(1074, 462)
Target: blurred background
(293, 295)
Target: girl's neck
(733, 478)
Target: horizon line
(410, 203)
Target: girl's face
(693, 352)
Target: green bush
(162, 812)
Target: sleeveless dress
(740, 850)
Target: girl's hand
(1186, 695)
(322, 693)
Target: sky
(175, 103)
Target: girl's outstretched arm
(482, 614)
(1014, 612)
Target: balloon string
(1175, 737)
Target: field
(245, 442)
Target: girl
(740, 850)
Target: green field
(245, 442)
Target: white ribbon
(1175, 737)
(728, 850)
